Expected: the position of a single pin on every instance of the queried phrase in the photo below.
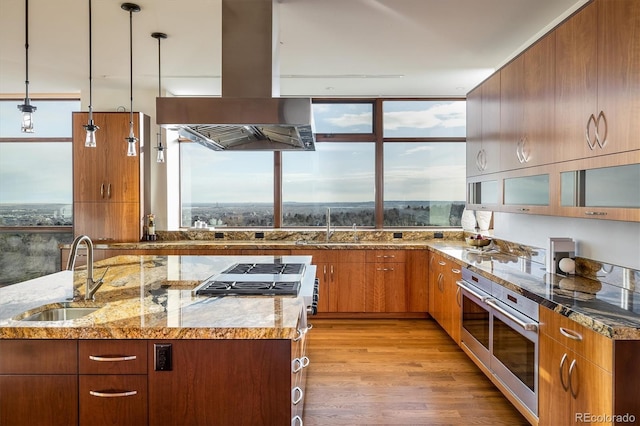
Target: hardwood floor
(396, 372)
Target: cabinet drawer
(585, 342)
(112, 357)
(38, 356)
(383, 256)
(113, 400)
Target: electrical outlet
(163, 356)
(397, 235)
(438, 235)
(259, 235)
(219, 235)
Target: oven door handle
(465, 287)
(528, 326)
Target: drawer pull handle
(296, 395)
(455, 271)
(296, 421)
(115, 358)
(573, 335)
(441, 262)
(112, 393)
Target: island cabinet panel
(222, 382)
(38, 382)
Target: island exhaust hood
(249, 115)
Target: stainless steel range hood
(250, 115)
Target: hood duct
(249, 115)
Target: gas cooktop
(255, 279)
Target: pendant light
(27, 109)
(159, 147)
(90, 127)
(131, 139)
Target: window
(419, 161)
(339, 176)
(226, 188)
(36, 189)
(424, 183)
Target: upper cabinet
(568, 124)
(526, 107)
(597, 97)
(483, 128)
(108, 184)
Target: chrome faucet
(328, 220)
(92, 286)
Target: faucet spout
(92, 285)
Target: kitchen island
(152, 352)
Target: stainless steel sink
(57, 312)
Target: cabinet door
(512, 101)
(347, 287)
(474, 131)
(105, 173)
(576, 82)
(108, 221)
(554, 401)
(491, 123)
(619, 73)
(386, 290)
(585, 377)
(33, 400)
(436, 287)
(417, 280)
(452, 300)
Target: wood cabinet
(526, 107)
(38, 382)
(107, 184)
(444, 294)
(598, 80)
(341, 277)
(386, 289)
(222, 382)
(574, 361)
(112, 382)
(483, 127)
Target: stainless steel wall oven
(500, 328)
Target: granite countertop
(600, 303)
(152, 294)
(149, 296)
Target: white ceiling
(328, 47)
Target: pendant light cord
(131, 70)
(90, 69)
(26, 49)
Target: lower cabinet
(585, 377)
(222, 382)
(444, 294)
(112, 382)
(38, 382)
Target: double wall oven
(500, 328)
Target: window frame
(375, 137)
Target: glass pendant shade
(90, 140)
(160, 157)
(27, 117)
(131, 143)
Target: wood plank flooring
(396, 372)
